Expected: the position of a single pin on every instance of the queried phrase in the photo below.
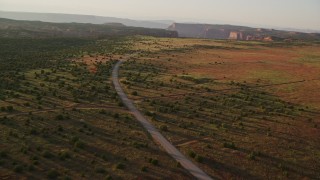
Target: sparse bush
(102, 111)
(59, 117)
(229, 145)
(148, 113)
(10, 108)
(199, 158)
(120, 166)
(144, 169)
(164, 128)
(139, 145)
(79, 144)
(31, 167)
(116, 115)
(192, 154)
(108, 177)
(154, 162)
(100, 170)
(74, 139)
(104, 157)
(53, 174)
(18, 169)
(120, 104)
(3, 154)
(47, 154)
(33, 131)
(64, 155)
(26, 104)
(60, 128)
(67, 178)
(35, 162)
(252, 156)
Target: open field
(61, 118)
(238, 110)
(244, 110)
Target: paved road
(156, 135)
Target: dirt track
(156, 135)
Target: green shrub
(229, 145)
(164, 128)
(33, 131)
(120, 104)
(144, 169)
(252, 156)
(30, 167)
(59, 117)
(116, 115)
(108, 177)
(154, 162)
(148, 113)
(3, 154)
(18, 168)
(60, 128)
(10, 108)
(79, 144)
(35, 162)
(64, 155)
(47, 154)
(120, 166)
(53, 174)
(74, 139)
(67, 178)
(102, 111)
(100, 170)
(192, 154)
(199, 158)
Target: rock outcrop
(237, 32)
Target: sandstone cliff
(237, 32)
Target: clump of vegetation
(79, 144)
(192, 154)
(154, 162)
(64, 155)
(109, 177)
(252, 156)
(144, 169)
(178, 165)
(100, 170)
(199, 158)
(120, 166)
(60, 117)
(229, 145)
(47, 154)
(3, 154)
(18, 168)
(53, 174)
(164, 128)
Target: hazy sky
(303, 14)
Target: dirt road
(156, 135)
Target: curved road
(156, 135)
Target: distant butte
(210, 31)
